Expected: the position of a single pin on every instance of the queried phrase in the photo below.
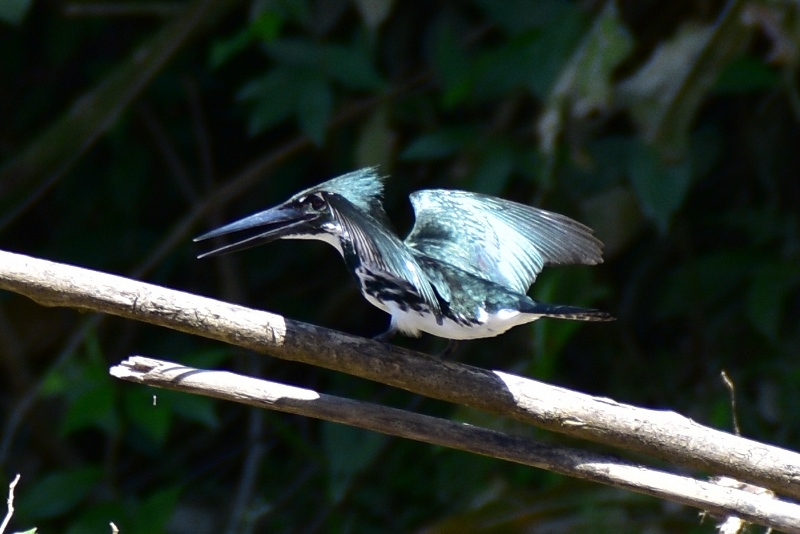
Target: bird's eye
(315, 201)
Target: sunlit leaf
(376, 141)
(665, 93)
(374, 12)
(616, 217)
(585, 84)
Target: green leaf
(705, 150)
(767, 295)
(58, 493)
(547, 55)
(494, 170)
(314, 107)
(295, 10)
(349, 451)
(609, 158)
(707, 280)
(207, 357)
(267, 26)
(296, 52)
(664, 95)
(530, 60)
(352, 67)
(376, 141)
(54, 383)
(550, 337)
(224, 49)
(149, 411)
(96, 518)
(615, 215)
(274, 97)
(661, 187)
(747, 74)
(374, 12)
(14, 11)
(496, 73)
(585, 84)
(438, 144)
(191, 407)
(155, 512)
(92, 408)
(517, 16)
(452, 66)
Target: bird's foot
(385, 337)
(452, 346)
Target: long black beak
(280, 221)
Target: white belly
(412, 323)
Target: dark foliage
(129, 128)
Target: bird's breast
(480, 325)
(411, 315)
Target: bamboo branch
(662, 434)
(761, 509)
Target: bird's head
(308, 214)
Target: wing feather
(498, 240)
(380, 251)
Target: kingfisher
(462, 273)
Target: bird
(464, 270)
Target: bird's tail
(573, 313)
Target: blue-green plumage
(463, 271)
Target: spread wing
(382, 256)
(498, 240)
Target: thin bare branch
(760, 509)
(662, 434)
(10, 504)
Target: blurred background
(127, 128)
